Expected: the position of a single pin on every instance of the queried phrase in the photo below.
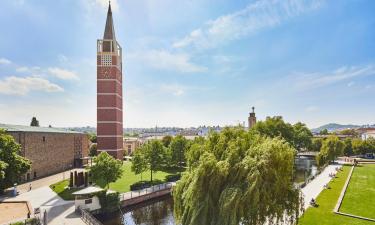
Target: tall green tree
(359, 146)
(34, 122)
(139, 163)
(348, 150)
(106, 169)
(240, 178)
(302, 139)
(332, 147)
(167, 140)
(93, 149)
(177, 149)
(12, 165)
(316, 144)
(155, 155)
(275, 127)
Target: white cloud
(62, 73)
(256, 16)
(319, 79)
(5, 61)
(33, 69)
(162, 59)
(23, 85)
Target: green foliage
(316, 144)
(297, 135)
(361, 147)
(332, 147)
(324, 132)
(351, 132)
(348, 150)
(34, 122)
(150, 156)
(139, 163)
(302, 139)
(109, 202)
(106, 169)
(240, 178)
(177, 150)
(93, 149)
(167, 140)
(92, 137)
(12, 165)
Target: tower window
(106, 60)
(44, 138)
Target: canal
(160, 211)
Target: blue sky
(191, 62)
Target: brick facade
(51, 153)
(109, 92)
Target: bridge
(307, 154)
(135, 197)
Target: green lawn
(128, 178)
(360, 196)
(65, 194)
(323, 215)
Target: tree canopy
(297, 135)
(12, 165)
(34, 122)
(106, 169)
(332, 147)
(240, 177)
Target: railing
(146, 191)
(88, 218)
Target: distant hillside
(334, 127)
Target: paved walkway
(46, 181)
(58, 210)
(313, 189)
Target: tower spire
(109, 31)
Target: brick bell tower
(109, 92)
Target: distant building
(109, 92)
(252, 119)
(51, 150)
(131, 144)
(367, 135)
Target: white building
(367, 135)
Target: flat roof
(22, 128)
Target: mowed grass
(63, 192)
(323, 215)
(128, 178)
(359, 198)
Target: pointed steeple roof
(109, 31)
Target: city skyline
(198, 64)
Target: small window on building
(34, 174)
(88, 201)
(44, 138)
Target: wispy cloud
(63, 74)
(162, 59)
(319, 79)
(23, 85)
(255, 17)
(25, 69)
(5, 61)
(90, 4)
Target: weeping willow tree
(240, 178)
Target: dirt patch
(11, 211)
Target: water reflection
(305, 168)
(157, 212)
